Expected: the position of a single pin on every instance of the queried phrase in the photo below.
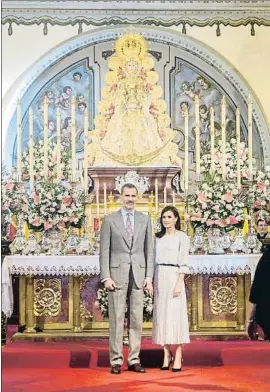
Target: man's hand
(110, 285)
(147, 285)
(176, 291)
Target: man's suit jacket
(116, 255)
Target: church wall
(249, 55)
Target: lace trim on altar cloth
(218, 269)
(55, 271)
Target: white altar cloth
(89, 265)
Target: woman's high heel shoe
(176, 369)
(170, 362)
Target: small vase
(72, 242)
(215, 242)
(55, 242)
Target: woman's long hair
(175, 212)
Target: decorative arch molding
(192, 51)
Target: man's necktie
(129, 229)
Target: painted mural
(186, 83)
(75, 81)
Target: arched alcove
(179, 59)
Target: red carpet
(209, 366)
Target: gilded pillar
(30, 319)
(22, 300)
(194, 303)
(76, 304)
(241, 303)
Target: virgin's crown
(131, 45)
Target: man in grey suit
(126, 268)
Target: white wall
(250, 56)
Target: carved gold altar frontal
(217, 301)
(216, 304)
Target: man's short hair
(130, 186)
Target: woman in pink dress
(170, 319)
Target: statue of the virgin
(132, 127)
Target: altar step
(95, 354)
(67, 335)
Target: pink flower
(223, 223)
(36, 198)
(47, 225)
(228, 197)
(73, 219)
(209, 222)
(49, 195)
(196, 217)
(217, 157)
(233, 220)
(61, 225)
(36, 221)
(202, 198)
(67, 201)
(54, 158)
(261, 186)
(9, 186)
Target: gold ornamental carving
(223, 295)
(47, 297)
(85, 314)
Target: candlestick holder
(186, 212)
(18, 244)
(32, 247)
(84, 247)
(239, 245)
(96, 243)
(72, 241)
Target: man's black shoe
(136, 367)
(116, 369)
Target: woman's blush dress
(170, 319)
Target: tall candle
(73, 140)
(186, 150)
(212, 134)
(45, 117)
(97, 202)
(85, 158)
(223, 137)
(165, 196)
(31, 149)
(105, 198)
(19, 140)
(197, 135)
(58, 139)
(250, 163)
(238, 169)
(156, 195)
(173, 198)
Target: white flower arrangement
(53, 205)
(261, 188)
(38, 167)
(217, 204)
(13, 199)
(103, 305)
(230, 162)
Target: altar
(58, 295)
